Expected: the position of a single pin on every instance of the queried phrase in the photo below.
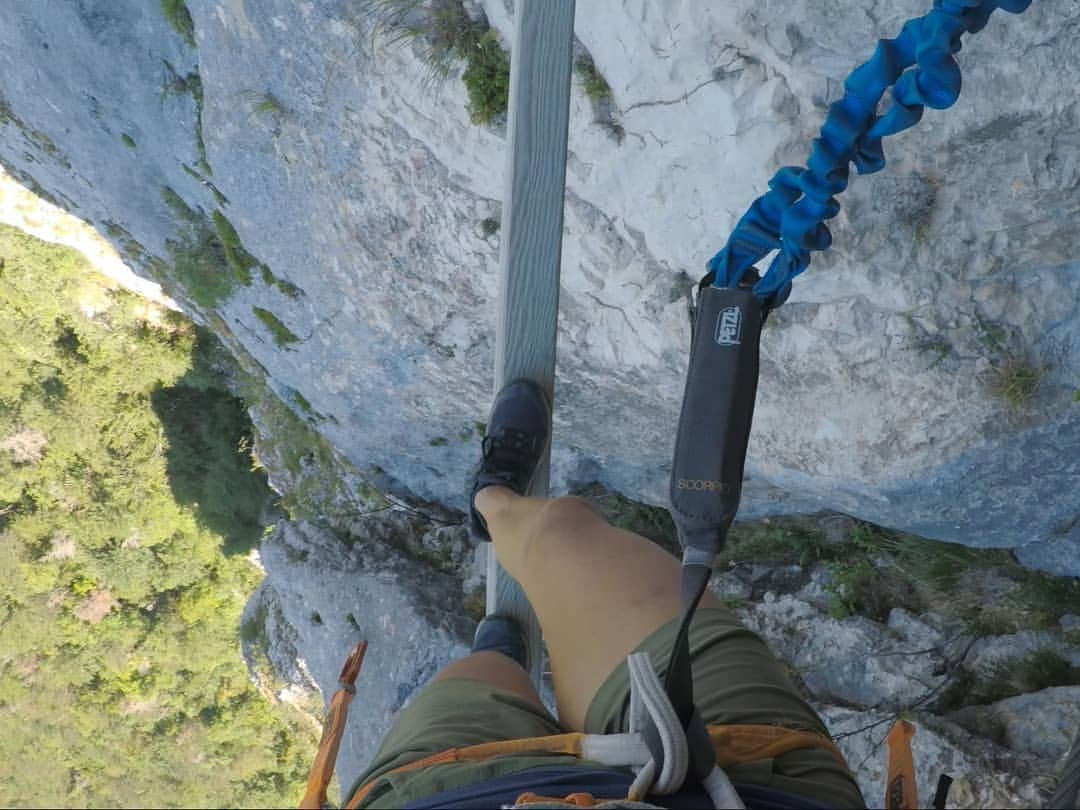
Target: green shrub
(238, 259)
(487, 78)
(1039, 669)
(180, 209)
(176, 12)
(653, 522)
(269, 105)
(592, 82)
(445, 33)
(850, 588)
(207, 261)
(1015, 380)
(440, 29)
(200, 266)
(282, 335)
(128, 141)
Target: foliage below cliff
(125, 495)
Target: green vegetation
(220, 198)
(281, 333)
(487, 78)
(1014, 376)
(125, 496)
(780, 541)
(475, 604)
(1015, 380)
(313, 475)
(445, 34)
(653, 522)
(489, 226)
(286, 288)
(208, 260)
(1002, 678)
(445, 349)
(267, 104)
(873, 570)
(681, 287)
(592, 82)
(850, 587)
(128, 141)
(1039, 669)
(36, 138)
(937, 347)
(305, 406)
(613, 128)
(239, 259)
(180, 85)
(181, 210)
(176, 12)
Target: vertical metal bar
(532, 223)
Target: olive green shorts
(736, 680)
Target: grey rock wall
(321, 596)
(365, 189)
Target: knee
(566, 519)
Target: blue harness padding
(502, 791)
(791, 216)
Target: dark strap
(706, 477)
(941, 795)
(717, 411)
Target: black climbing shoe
(515, 440)
(500, 634)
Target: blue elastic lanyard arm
(790, 217)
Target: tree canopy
(126, 493)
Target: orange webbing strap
(334, 726)
(575, 799)
(734, 745)
(554, 744)
(900, 787)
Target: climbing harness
(730, 744)
(669, 743)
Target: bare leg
(496, 669)
(598, 590)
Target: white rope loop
(649, 700)
(646, 684)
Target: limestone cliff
(347, 196)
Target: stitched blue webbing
(790, 217)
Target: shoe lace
(516, 441)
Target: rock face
(953, 275)
(399, 582)
(984, 775)
(322, 595)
